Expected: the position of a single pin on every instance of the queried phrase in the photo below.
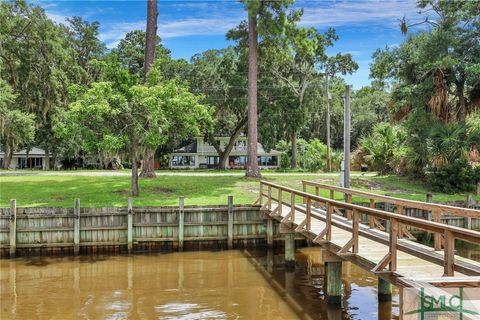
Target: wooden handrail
(450, 232)
(463, 212)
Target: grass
(106, 191)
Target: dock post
(76, 227)
(181, 222)
(13, 228)
(230, 222)
(429, 199)
(384, 290)
(333, 282)
(269, 232)
(130, 225)
(289, 250)
(469, 202)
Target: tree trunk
(135, 189)
(252, 163)
(8, 156)
(150, 42)
(294, 150)
(223, 154)
(148, 169)
(47, 158)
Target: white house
(34, 159)
(201, 154)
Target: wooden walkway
(390, 253)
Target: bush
(312, 156)
(455, 177)
(384, 148)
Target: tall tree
(219, 75)
(38, 63)
(83, 37)
(267, 19)
(17, 128)
(435, 80)
(148, 169)
(131, 52)
(115, 116)
(252, 164)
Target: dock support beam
(13, 228)
(130, 225)
(270, 232)
(76, 227)
(384, 290)
(290, 250)
(181, 222)
(230, 222)
(333, 282)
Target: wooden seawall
(31, 231)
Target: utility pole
(346, 138)
(329, 155)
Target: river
(190, 285)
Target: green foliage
(17, 128)
(131, 52)
(436, 89)
(369, 106)
(111, 116)
(458, 176)
(312, 155)
(384, 147)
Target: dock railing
(437, 210)
(396, 220)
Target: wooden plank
(230, 222)
(393, 244)
(437, 237)
(130, 225)
(76, 227)
(309, 214)
(371, 219)
(449, 252)
(464, 212)
(13, 228)
(181, 222)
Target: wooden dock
(383, 245)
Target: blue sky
(193, 26)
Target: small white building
(201, 154)
(34, 159)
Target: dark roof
(191, 148)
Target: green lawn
(106, 191)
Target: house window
(267, 161)
(238, 160)
(178, 161)
(38, 163)
(212, 160)
(240, 145)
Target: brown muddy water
(188, 285)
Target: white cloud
(113, 33)
(357, 12)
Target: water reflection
(189, 285)
(303, 288)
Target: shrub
(384, 147)
(458, 176)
